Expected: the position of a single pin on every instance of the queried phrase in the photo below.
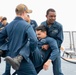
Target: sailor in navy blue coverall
(32, 22)
(50, 54)
(41, 56)
(18, 32)
(54, 30)
(7, 68)
(34, 25)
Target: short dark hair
(4, 18)
(42, 28)
(51, 9)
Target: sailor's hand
(45, 47)
(47, 64)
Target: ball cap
(21, 8)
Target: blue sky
(65, 9)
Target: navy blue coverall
(52, 52)
(18, 32)
(55, 31)
(0, 24)
(40, 56)
(7, 68)
(33, 24)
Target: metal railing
(74, 39)
(67, 42)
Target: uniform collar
(18, 18)
(52, 24)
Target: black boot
(1, 52)
(14, 62)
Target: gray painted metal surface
(67, 68)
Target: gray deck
(68, 69)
